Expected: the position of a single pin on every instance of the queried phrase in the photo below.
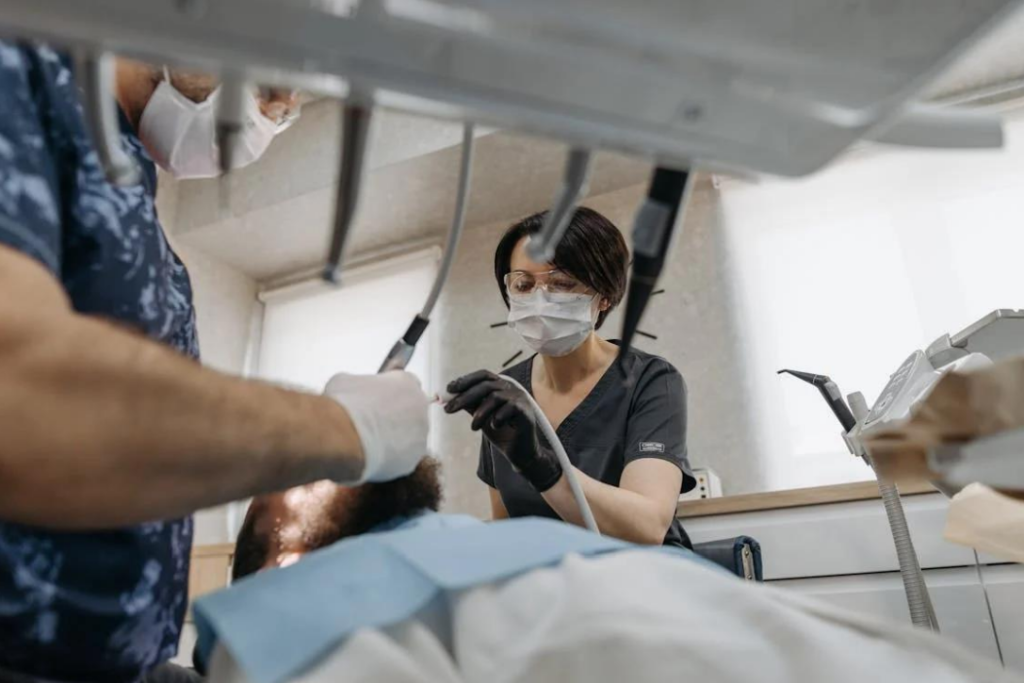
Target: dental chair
(740, 555)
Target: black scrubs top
(614, 425)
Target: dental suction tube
(652, 240)
(830, 392)
(95, 72)
(401, 353)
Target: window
(848, 272)
(315, 331)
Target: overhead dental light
(777, 86)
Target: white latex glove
(391, 415)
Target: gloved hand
(505, 415)
(391, 415)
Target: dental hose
(563, 459)
(922, 612)
(401, 353)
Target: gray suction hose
(458, 221)
(922, 612)
(563, 458)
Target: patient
(370, 584)
(279, 528)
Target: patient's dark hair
(370, 506)
(593, 251)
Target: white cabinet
(1005, 586)
(837, 539)
(843, 553)
(957, 595)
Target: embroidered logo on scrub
(651, 447)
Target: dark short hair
(592, 251)
(374, 504)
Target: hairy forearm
(102, 428)
(619, 512)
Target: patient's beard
(283, 526)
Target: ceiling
(274, 218)
(402, 202)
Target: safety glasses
(520, 283)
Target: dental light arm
(401, 353)
(96, 72)
(541, 247)
(355, 139)
(656, 223)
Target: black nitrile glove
(504, 413)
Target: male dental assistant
(112, 433)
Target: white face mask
(180, 134)
(552, 324)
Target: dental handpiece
(656, 224)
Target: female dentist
(626, 439)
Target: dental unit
(993, 460)
(779, 87)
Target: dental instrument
(776, 87)
(96, 72)
(541, 247)
(922, 612)
(231, 117)
(654, 231)
(401, 353)
(830, 392)
(356, 120)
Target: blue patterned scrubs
(87, 606)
